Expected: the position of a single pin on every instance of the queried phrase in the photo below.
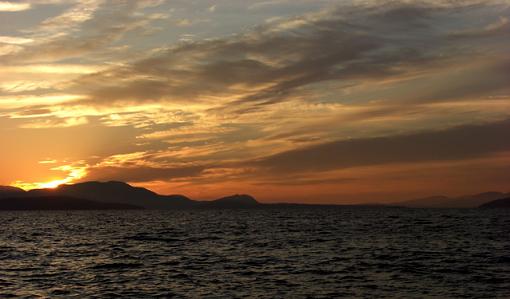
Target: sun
(74, 173)
(40, 185)
(52, 184)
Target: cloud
(13, 6)
(69, 20)
(86, 27)
(323, 163)
(14, 40)
(500, 27)
(141, 174)
(250, 67)
(55, 123)
(351, 45)
(20, 101)
(458, 143)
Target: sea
(280, 252)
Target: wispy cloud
(8, 6)
(87, 26)
(273, 62)
(15, 40)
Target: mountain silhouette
(120, 195)
(113, 192)
(498, 203)
(58, 203)
(462, 202)
(8, 191)
(234, 201)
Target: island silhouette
(110, 195)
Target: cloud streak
(6, 6)
(87, 27)
(458, 143)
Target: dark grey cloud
(300, 181)
(141, 174)
(458, 143)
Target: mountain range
(110, 194)
(120, 195)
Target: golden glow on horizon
(74, 174)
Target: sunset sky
(325, 101)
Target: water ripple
(266, 253)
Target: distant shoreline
(114, 195)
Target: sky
(314, 101)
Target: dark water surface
(266, 253)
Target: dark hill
(116, 192)
(234, 201)
(8, 191)
(58, 203)
(121, 193)
(499, 203)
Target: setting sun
(73, 174)
(53, 184)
